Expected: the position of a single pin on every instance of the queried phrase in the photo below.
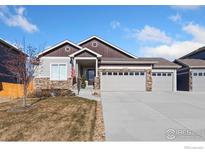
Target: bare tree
(22, 66)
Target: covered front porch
(87, 69)
(85, 63)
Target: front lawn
(51, 119)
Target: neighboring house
(191, 76)
(105, 66)
(9, 85)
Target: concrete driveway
(152, 116)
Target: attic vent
(94, 44)
(67, 48)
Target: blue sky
(159, 31)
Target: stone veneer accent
(97, 83)
(190, 81)
(45, 83)
(97, 86)
(149, 80)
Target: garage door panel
(122, 83)
(162, 81)
(198, 81)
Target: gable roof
(10, 45)
(100, 39)
(57, 45)
(194, 52)
(191, 63)
(85, 49)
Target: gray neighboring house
(105, 66)
(191, 76)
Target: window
(200, 74)
(169, 74)
(94, 44)
(163, 74)
(125, 73)
(109, 73)
(137, 73)
(114, 73)
(204, 74)
(195, 74)
(153, 74)
(58, 72)
(141, 73)
(104, 73)
(159, 74)
(120, 73)
(131, 73)
(67, 48)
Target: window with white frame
(58, 72)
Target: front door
(90, 76)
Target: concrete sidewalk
(87, 93)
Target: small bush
(51, 93)
(83, 83)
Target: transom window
(161, 74)
(195, 74)
(58, 72)
(200, 74)
(114, 73)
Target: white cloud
(178, 48)
(186, 7)
(175, 18)
(16, 18)
(149, 33)
(173, 51)
(115, 24)
(197, 31)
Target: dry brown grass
(51, 119)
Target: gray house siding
(43, 70)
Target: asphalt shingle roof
(192, 63)
(157, 62)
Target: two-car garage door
(123, 81)
(136, 81)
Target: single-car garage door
(162, 81)
(198, 81)
(123, 81)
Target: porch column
(96, 67)
(75, 65)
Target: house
(9, 84)
(191, 76)
(105, 66)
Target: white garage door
(162, 81)
(123, 81)
(198, 81)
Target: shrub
(83, 83)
